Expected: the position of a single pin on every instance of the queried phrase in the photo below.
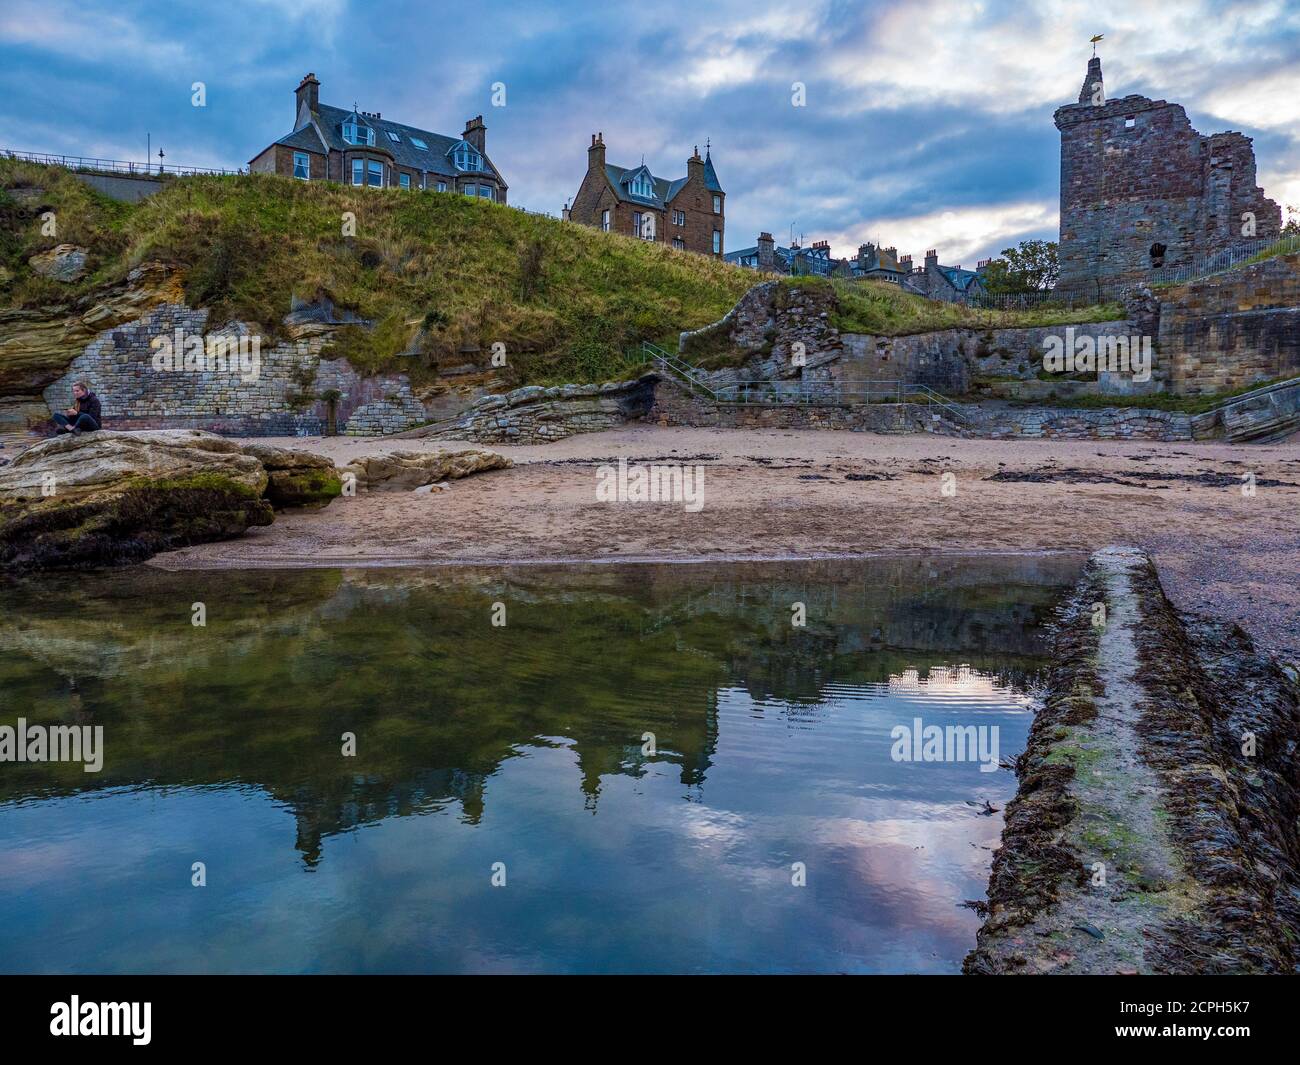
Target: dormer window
(393, 137)
(642, 186)
(357, 132)
(419, 143)
(465, 157)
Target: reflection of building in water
(946, 680)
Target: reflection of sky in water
(659, 865)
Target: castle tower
(1142, 190)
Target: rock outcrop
(66, 262)
(296, 478)
(114, 498)
(398, 470)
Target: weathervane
(1093, 41)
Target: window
(642, 186)
(643, 225)
(1130, 122)
(485, 191)
(355, 133)
(717, 242)
(442, 186)
(376, 179)
(466, 158)
(404, 180)
(717, 204)
(469, 190)
(679, 218)
(393, 136)
(419, 143)
(358, 171)
(302, 165)
(604, 221)
(679, 244)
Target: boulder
(112, 498)
(404, 470)
(296, 478)
(67, 262)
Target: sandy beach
(778, 494)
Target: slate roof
(958, 278)
(436, 160)
(665, 188)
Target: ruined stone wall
(1134, 174)
(282, 401)
(1233, 329)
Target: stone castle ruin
(1142, 190)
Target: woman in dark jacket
(84, 415)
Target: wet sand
(781, 493)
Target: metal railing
(89, 165)
(798, 392)
(1226, 258)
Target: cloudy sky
(928, 123)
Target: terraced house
(363, 148)
(688, 212)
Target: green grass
(882, 309)
(437, 273)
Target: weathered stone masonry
(282, 401)
(1136, 178)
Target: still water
(643, 769)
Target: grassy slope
(436, 272)
(882, 309)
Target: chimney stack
(695, 166)
(308, 91)
(931, 260)
(476, 133)
(596, 153)
(766, 252)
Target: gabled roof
(959, 279)
(305, 139)
(437, 160)
(620, 178)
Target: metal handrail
(111, 166)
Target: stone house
(688, 213)
(951, 284)
(363, 148)
(1142, 190)
(795, 260)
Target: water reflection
(648, 750)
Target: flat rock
(394, 470)
(66, 262)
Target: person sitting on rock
(83, 415)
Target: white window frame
(465, 157)
(393, 136)
(717, 204)
(717, 242)
(485, 192)
(404, 180)
(442, 186)
(420, 144)
(305, 160)
(604, 221)
(371, 164)
(358, 171)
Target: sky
(924, 123)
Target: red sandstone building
(687, 213)
(363, 148)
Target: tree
(1292, 227)
(1030, 267)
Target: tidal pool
(643, 769)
